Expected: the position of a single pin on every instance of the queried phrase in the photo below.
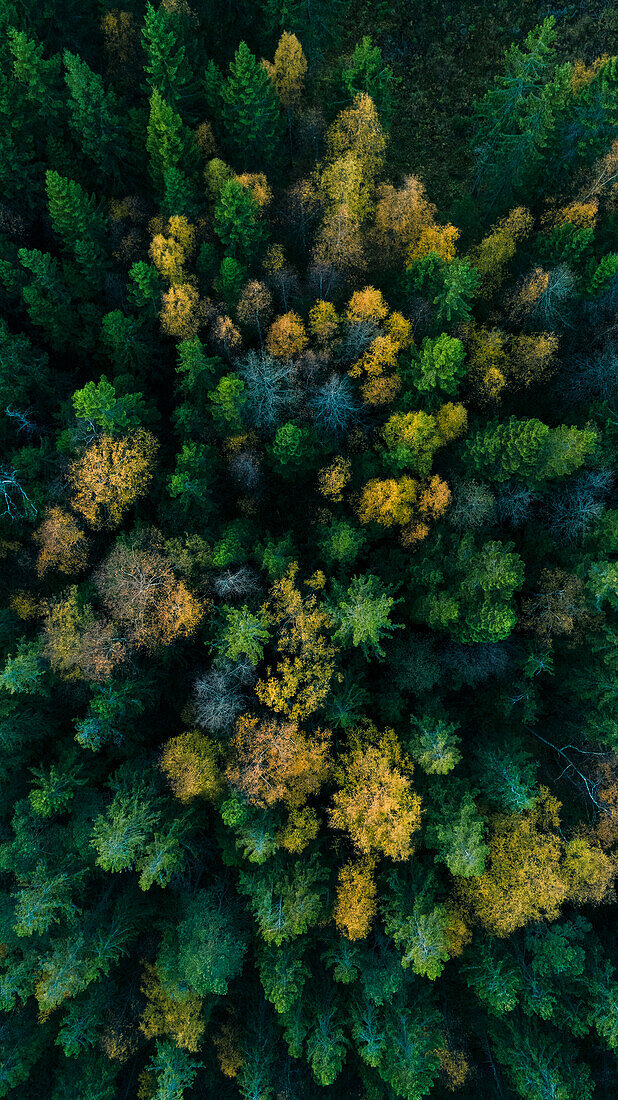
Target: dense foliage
(308, 526)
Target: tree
(375, 802)
(237, 220)
(171, 1011)
(207, 950)
(77, 643)
(439, 365)
(365, 71)
(523, 882)
(435, 744)
(275, 761)
(286, 336)
(166, 140)
(139, 589)
(251, 112)
(173, 1071)
(301, 681)
(255, 307)
(72, 210)
(167, 66)
(110, 476)
(287, 73)
(288, 70)
(286, 897)
(528, 449)
(355, 905)
(63, 545)
(362, 615)
(93, 113)
(100, 406)
(180, 313)
(190, 763)
(244, 635)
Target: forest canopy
(309, 536)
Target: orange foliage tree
(138, 588)
(286, 336)
(273, 761)
(110, 476)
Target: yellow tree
(367, 305)
(287, 73)
(388, 501)
(190, 763)
(180, 311)
(306, 659)
(339, 241)
(357, 130)
(273, 761)
(288, 69)
(532, 872)
(375, 803)
(258, 185)
(169, 253)
(286, 336)
(63, 545)
(323, 322)
(532, 357)
(255, 306)
(404, 226)
(333, 479)
(171, 1010)
(110, 476)
(355, 902)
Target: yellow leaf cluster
(274, 761)
(63, 545)
(286, 336)
(110, 476)
(189, 762)
(288, 69)
(171, 1011)
(180, 313)
(333, 479)
(375, 803)
(494, 252)
(170, 253)
(355, 903)
(77, 644)
(301, 680)
(532, 872)
(323, 321)
(257, 184)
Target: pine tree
(251, 111)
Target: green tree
(362, 615)
(167, 66)
(94, 114)
(236, 220)
(251, 112)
